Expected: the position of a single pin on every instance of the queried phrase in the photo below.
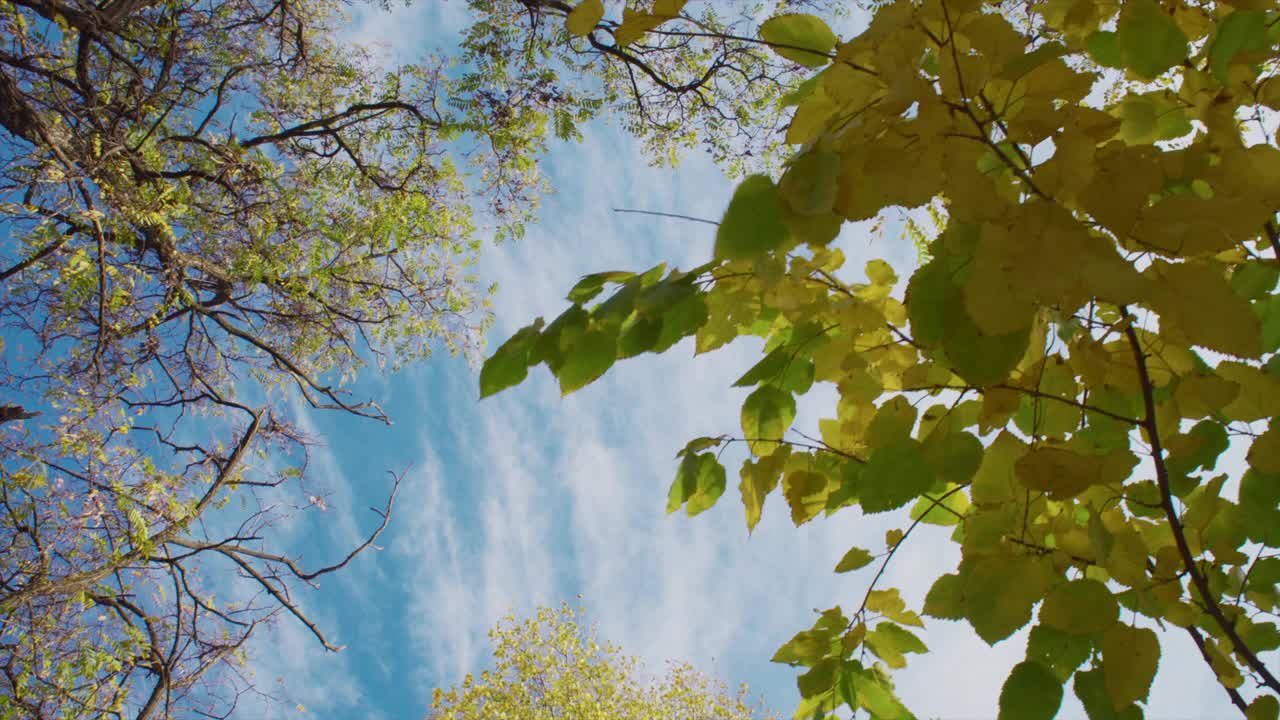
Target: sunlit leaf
(802, 38)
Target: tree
(675, 86)
(209, 208)
(1094, 326)
(552, 666)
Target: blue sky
(528, 499)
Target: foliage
(666, 70)
(552, 666)
(1095, 326)
(211, 209)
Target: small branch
(670, 215)
(1198, 579)
(1234, 694)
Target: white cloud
(570, 493)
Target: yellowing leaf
(584, 18)
(1058, 471)
(766, 416)
(994, 481)
(1196, 300)
(1264, 453)
(890, 642)
(699, 483)
(809, 185)
(635, 24)
(1080, 607)
(668, 8)
(806, 493)
(854, 559)
(1259, 394)
(1129, 659)
(759, 478)
(801, 38)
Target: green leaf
(782, 367)
(639, 334)
(1000, 591)
(946, 513)
(510, 364)
(583, 18)
(945, 600)
(846, 683)
(1259, 497)
(954, 455)
(854, 559)
(766, 416)
(890, 642)
(818, 679)
(895, 475)
(1031, 692)
(1104, 48)
(809, 185)
(681, 320)
(1129, 659)
(799, 37)
(1080, 607)
(587, 358)
(1091, 688)
(591, 285)
(753, 224)
(1268, 313)
(699, 482)
(878, 699)
(551, 346)
(1242, 31)
(939, 318)
(1150, 41)
(1059, 651)
(1264, 707)
(1255, 280)
(806, 648)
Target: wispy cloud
(528, 498)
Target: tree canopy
(552, 665)
(1064, 379)
(214, 209)
(208, 208)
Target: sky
(528, 499)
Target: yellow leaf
(806, 493)
(759, 478)
(994, 481)
(1058, 471)
(1201, 395)
(669, 8)
(634, 25)
(1195, 299)
(881, 272)
(584, 18)
(1259, 392)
